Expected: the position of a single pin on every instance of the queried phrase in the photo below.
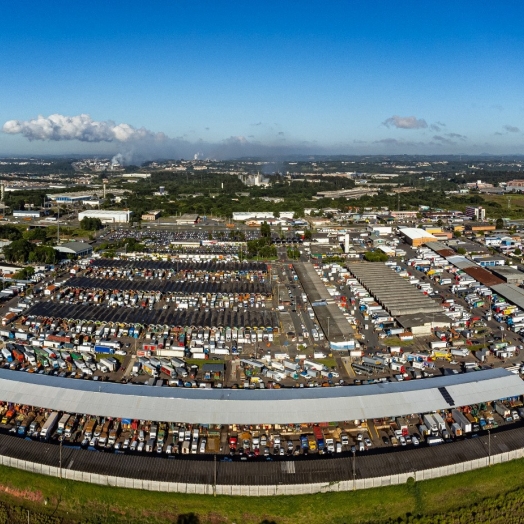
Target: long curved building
(252, 407)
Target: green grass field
(80, 502)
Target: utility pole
(60, 458)
(489, 447)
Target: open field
(492, 491)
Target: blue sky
(226, 78)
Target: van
(361, 446)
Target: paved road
(302, 470)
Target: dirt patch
(33, 496)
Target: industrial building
(107, 216)
(151, 216)
(27, 213)
(186, 220)
(250, 215)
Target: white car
(368, 442)
(203, 443)
(402, 441)
(141, 446)
(415, 441)
(339, 447)
(345, 440)
(120, 352)
(169, 449)
(126, 444)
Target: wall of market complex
(262, 490)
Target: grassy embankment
(67, 502)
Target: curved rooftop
(276, 406)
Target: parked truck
(502, 410)
(430, 423)
(50, 425)
(460, 419)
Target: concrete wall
(260, 491)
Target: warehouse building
(254, 407)
(107, 216)
(416, 237)
(77, 249)
(413, 310)
(70, 198)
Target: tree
(375, 256)
(25, 273)
(91, 224)
(265, 229)
(18, 251)
(308, 234)
(457, 234)
(499, 224)
(38, 233)
(461, 251)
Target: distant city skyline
(230, 79)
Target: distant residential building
(403, 215)
(476, 212)
(136, 175)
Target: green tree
(25, 273)
(308, 234)
(375, 256)
(18, 251)
(91, 224)
(265, 229)
(499, 224)
(38, 233)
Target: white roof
(415, 232)
(276, 406)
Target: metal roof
(461, 262)
(276, 406)
(510, 292)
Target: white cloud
(80, 127)
(405, 122)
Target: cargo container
(106, 350)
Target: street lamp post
(328, 319)
(354, 468)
